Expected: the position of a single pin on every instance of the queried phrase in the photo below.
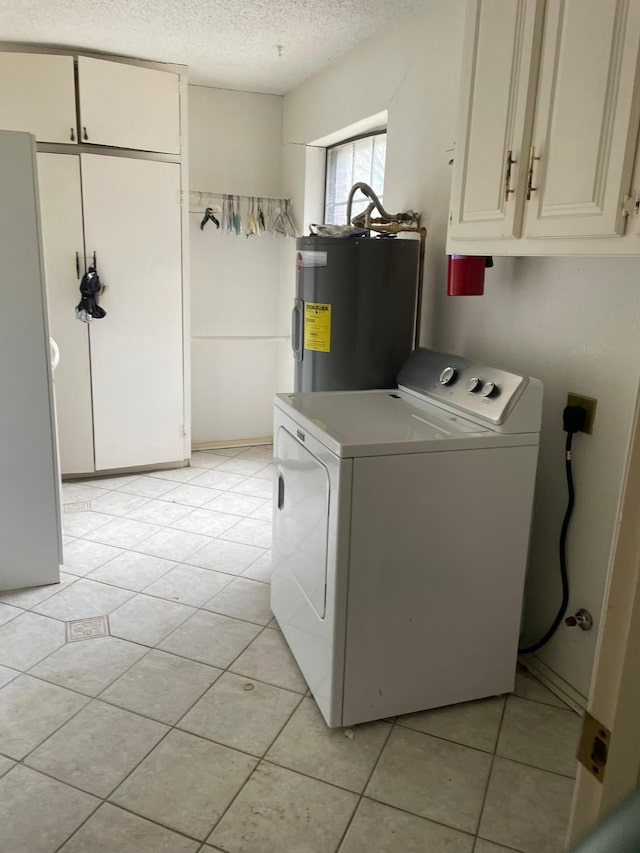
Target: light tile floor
(189, 727)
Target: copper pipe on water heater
(396, 228)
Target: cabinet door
(61, 211)
(37, 95)
(132, 222)
(498, 78)
(128, 107)
(586, 120)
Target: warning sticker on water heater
(317, 326)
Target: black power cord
(573, 421)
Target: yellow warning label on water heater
(317, 326)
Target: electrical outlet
(588, 404)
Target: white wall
(411, 71)
(236, 325)
(572, 323)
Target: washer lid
(371, 423)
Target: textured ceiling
(226, 43)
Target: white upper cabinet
(558, 88)
(127, 106)
(500, 44)
(586, 119)
(37, 95)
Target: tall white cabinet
(136, 350)
(110, 181)
(63, 243)
(548, 129)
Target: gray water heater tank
(354, 315)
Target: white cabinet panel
(61, 212)
(499, 66)
(37, 95)
(586, 118)
(127, 106)
(132, 222)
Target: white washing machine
(401, 532)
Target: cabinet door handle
(72, 135)
(280, 491)
(532, 159)
(77, 266)
(507, 176)
(85, 135)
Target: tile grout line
(148, 649)
(102, 524)
(228, 668)
(176, 563)
(245, 752)
(170, 728)
(493, 759)
(88, 818)
(91, 698)
(174, 727)
(250, 776)
(133, 550)
(102, 800)
(364, 788)
(406, 811)
(269, 761)
(259, 760)
(264, 628)
(143, 592)
(264, 757)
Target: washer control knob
(447, 376)
(473, 384)
(489, 389)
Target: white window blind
(357, 160)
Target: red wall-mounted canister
(465, 275)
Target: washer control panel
(478, 390)
(448, 376)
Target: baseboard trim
(115, 472)
(556, 684)
(235, 442)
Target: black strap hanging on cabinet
(90, 286)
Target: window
(360, 159)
